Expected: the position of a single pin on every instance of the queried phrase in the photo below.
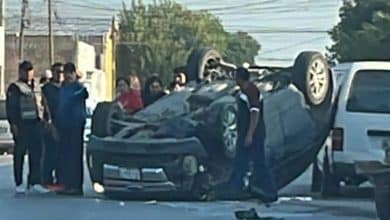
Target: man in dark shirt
(23, 116)
(50, 98)
(250, 143)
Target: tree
(158, 37)
(363, 32)
(241, 48)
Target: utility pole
(51, 40)
(23, 22)
(113, 61)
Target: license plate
(3, 130)
(130, 174)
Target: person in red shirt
(129, 99)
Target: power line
(291, 46)
(23, 24)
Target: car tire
(312, 76)
(330, 182)
(227, 130)
(197, 62)
(101, 119)
(316, 178)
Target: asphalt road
(295, 203)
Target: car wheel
(330, 183)
(200, 62)
(228, 133)
(316, 178)
(311, 75)
(100, 126)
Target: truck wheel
(330, 182)
(311, 75)
(228, 133)
(101, 119)
(199, 61)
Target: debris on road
(251, 214)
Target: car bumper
(163, 165)
(6, 144)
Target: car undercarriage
(185, 142)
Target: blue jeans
(70, 170)
(50, 159)
(262, 181)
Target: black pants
(71, 157)
(28, 140)
(50, 159)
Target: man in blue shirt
(71, 117)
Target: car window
(3, 114)
(370, 92)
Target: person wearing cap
(71, 117)
(50, 100)
(23, 117)
(250, 142)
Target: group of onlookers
(50, 130)
(132, 98)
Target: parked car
(6, 140)
(185, 142)
(361, 126)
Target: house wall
(36, 50)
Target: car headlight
(190, 165)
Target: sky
(283, 27)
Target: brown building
(36, 50)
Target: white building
(2, 49)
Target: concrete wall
(36, 49)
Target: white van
(361, 126)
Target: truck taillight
(337, 139)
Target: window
(370, 92)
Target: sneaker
(20, 189)
(39, 189)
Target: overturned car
(184, 143)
